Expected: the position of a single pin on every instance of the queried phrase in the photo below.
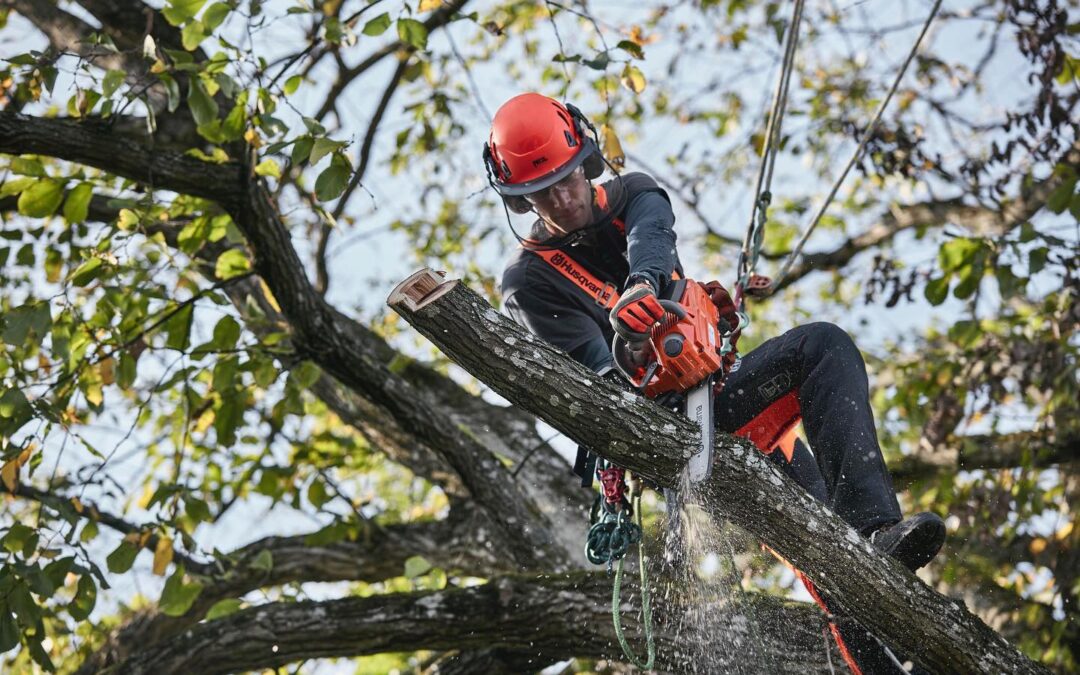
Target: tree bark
(654, 442)
(541, 620)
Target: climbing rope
(646, 607)
(871, 128)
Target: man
(589, 240)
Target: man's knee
(822, 339)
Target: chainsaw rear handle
(620, 347)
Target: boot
(914, 541)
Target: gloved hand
(636, 312)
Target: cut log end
(419, 289)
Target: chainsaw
(681, 362)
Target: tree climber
(593, 241)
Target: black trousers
(818, 367)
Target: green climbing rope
(646, 607)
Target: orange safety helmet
(535, 142)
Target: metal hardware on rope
(871, 128)
(769, 147)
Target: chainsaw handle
(620, 347)
(672, 307)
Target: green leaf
(127, 220)
(969, 282)
(15, 411)
(15, 186)
(306, 374)
(41, 199)
(292, 84)
(77, 204)
(179, 11)
(226, 333)
(232, 263)
(9, 631)
(321, 148)
(192, 35)
(177, 596)
(302, 150)
(958, 252)
(87, 272)
(331, 182)
(631, 47)
(937, 290)
(1037, 259)
(317, 493)
(223, 608)
(122, 558)
(178, 328)
(412, 32)
(17, 537)
(377, 26)
(172, 91)
(263, 560)
(415, 566)
(268, 167)
(202, 105)
(85, 599)
(1059, 199)
(214, 15)
(111, 82)
(28, 166)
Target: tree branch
(436, 20)
(745, 487)
(979, 220)
(549, 619)
(992, 451)
(378, 556)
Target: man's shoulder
(522, 270)
(632, 184)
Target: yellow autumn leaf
(75, 502)
(143, 538)
(1037, 546)
(10, 474)
(612, 147)
(428, 5)
(163, 555)
(1064, 532)
(107, 368)
(633, 79)
(94, 395)
(269, 295)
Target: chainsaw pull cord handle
(620, 347)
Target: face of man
(566, 206)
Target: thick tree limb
(65, 31)
(450, 544)
(992, 451)
(547, 618)
(745, 488)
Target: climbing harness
(610, 537)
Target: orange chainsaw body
(686, 348)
